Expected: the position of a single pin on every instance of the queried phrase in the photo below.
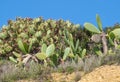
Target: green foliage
(66, 53)
(100, 33)
(26, 35)
(16, 54)
(91, 28)
(44, 47)
(99, 22)
(22, 46)
(12, 59)
(50, 40)
(116, 32)
(46, 52)
(50, 50)
(41, 56)
(83, 53)
(3, 35)
(41, 40)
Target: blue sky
(77, 11)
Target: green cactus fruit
(53, 24)
(37, 20)
(8, 48)
(48, 32)
(68, 24)
(3, 35)
(38, 34)
(23, 35)
(31, 30)
(22, 26)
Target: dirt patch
(103, 74)
(63, 77)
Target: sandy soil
(103, 74)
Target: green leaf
(71, 43)
(22, 46)
(70, 37)
(83, 53)
(66, 53)
(97, 51)
(30, 46)
(50, 50)
(66, 40)
(116, 32)
(53, 60)
(43, 49)
(16, 54)
(71, 55)
(41, 56)
(26, 47)
(111, 41)
(99, 23)
(111, 35)
(77, 44)
(13, 59)
(90, 27)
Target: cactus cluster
(32, 36)
(53, 41)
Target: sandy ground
(102, 74)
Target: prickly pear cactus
(33, 33)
